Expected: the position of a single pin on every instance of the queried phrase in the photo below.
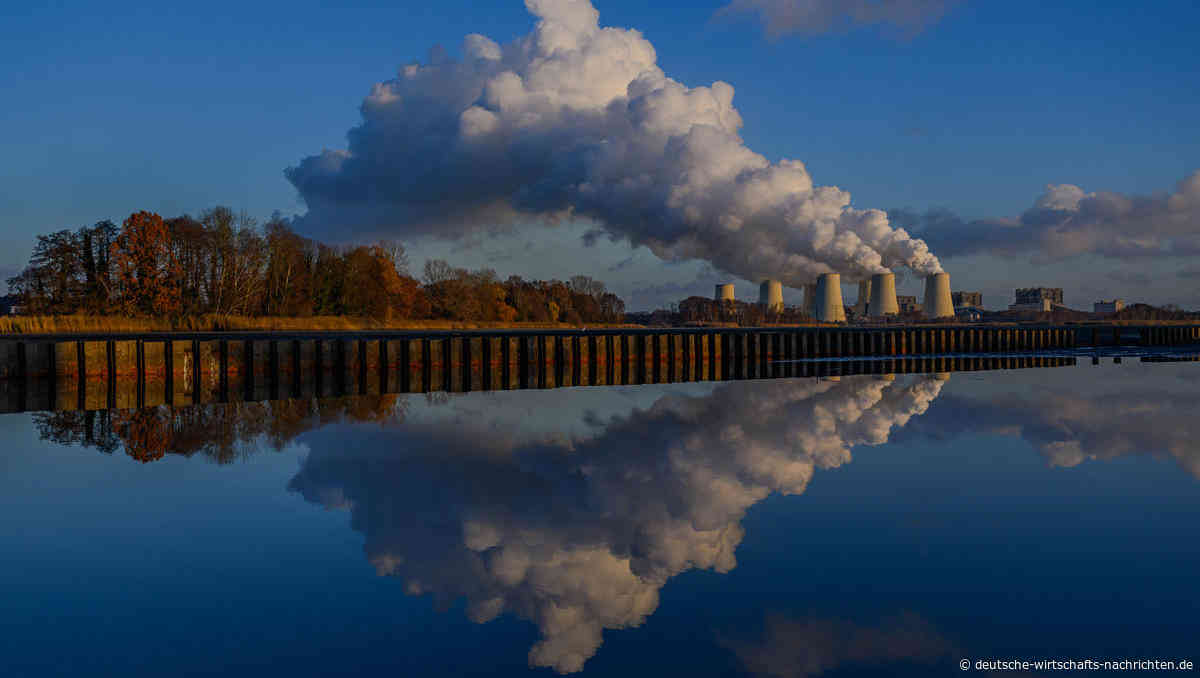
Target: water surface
(790, 527)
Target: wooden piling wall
(98, 373)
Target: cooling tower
(864, 295)
(883, 295)
(937, 302)
(770, 295)
(810, 305)
(829, 308)
(724, 292)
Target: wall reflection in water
(578, 530)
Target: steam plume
(576, 120)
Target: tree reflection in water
(221, 432)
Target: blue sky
(132, 105)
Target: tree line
(224, 263)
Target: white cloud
(812, 17)
(575, 120)
(1067, 221)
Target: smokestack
(864, 295)
(883, 295)
(724, 292)
(937, 302)
(770, 295)
(829, 299)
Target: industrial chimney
(937, 303)
(883, 295)
(864, 296)
(770, 295)
(724, 292)
(829, 299)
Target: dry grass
(99, 324)
(67, 324)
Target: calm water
(780, 528)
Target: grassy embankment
(67, 324)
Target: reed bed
(88, 324)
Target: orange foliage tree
(148, 275)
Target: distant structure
(770, 295)
(937, 296)
(968, 314)
(829, 308)
(883, 296)
(1108, 306)
(967, 299)
(1035, 295)
(864, 297)
(724, 292)
(1037, 299)
(908, 304)
(1042, 305)
(810, 302)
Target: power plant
(877, 298)
(883, 295)
(864, 297)
(829, 308)
(937, 301)
(770, 295)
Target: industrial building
(967, 299)
(1034, 295)
(908, 304)
(883, 296)
(864, 298)
(1108, 306)
(828, 299)
(770, 295)
(1037, 299)
(937, 302)
(1043, 305)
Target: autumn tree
(189, 243)
(288, 288)
(147, 273)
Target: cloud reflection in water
(580, 534)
